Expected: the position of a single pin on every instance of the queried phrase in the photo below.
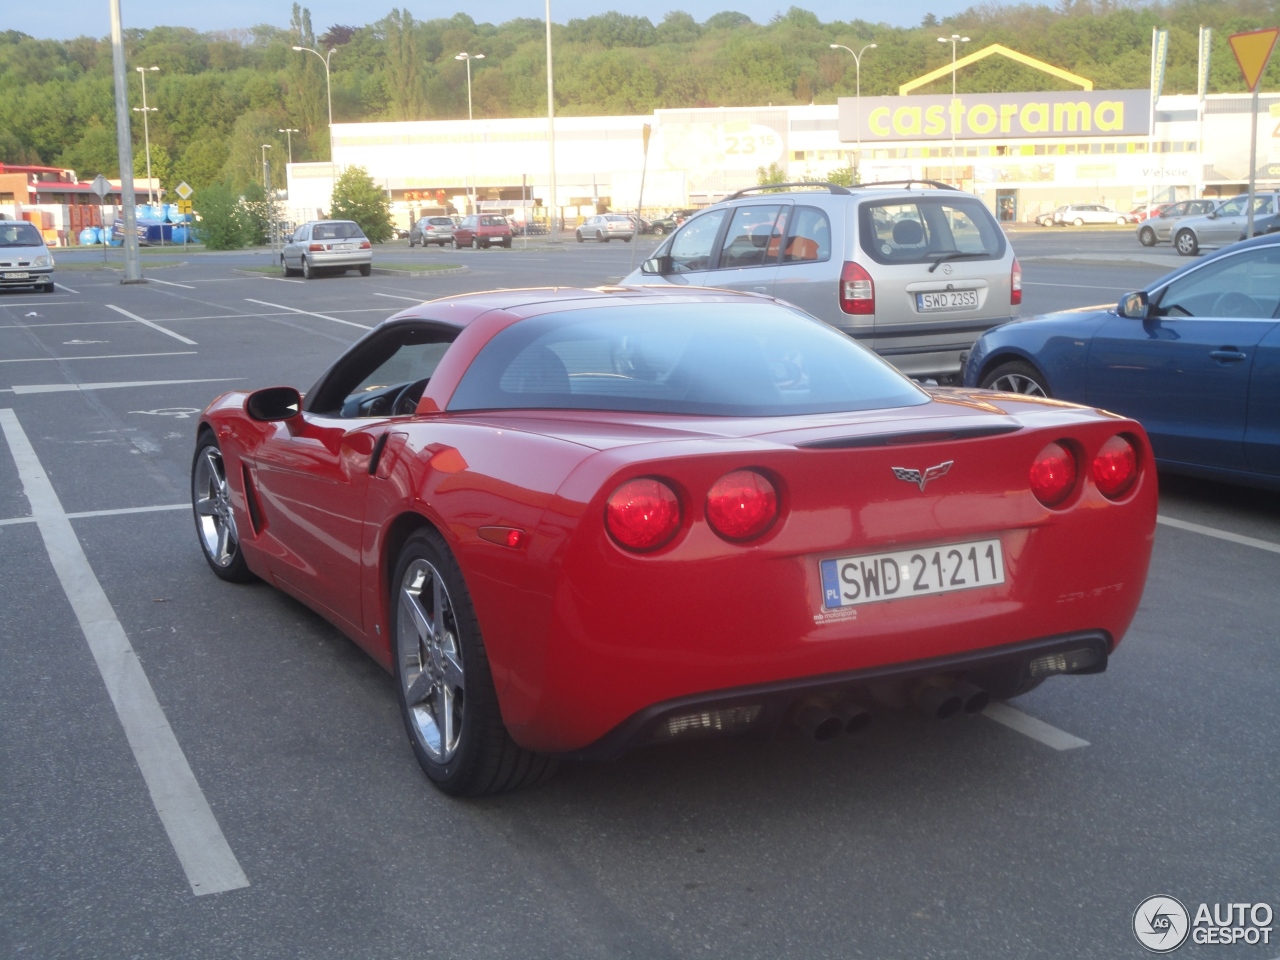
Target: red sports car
(575, 521)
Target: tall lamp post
(266, 183)
(146, 127)
(471, 122)
(328, 90)
(857, 65)
(289, 132)
(954, 39)
(552, 223)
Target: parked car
(1194, 356)
(482, 230)
(327, 246)
(573, 522)
(429, 230)
(25, 261)
(1050, 219)
(606, 227)
(1145, 211)
(1226, 224)
(1078, 214)
(1161, 227)
(915, 270)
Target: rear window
(493, 221)
(343, 230)
(706, 359)
(19, 234)
(440, 222)
(928, 228)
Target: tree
(161, 166)
(404, 77)
(220, 225)
(356, 197)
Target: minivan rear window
(928, 228)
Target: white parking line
(202, 849)
(390, 296)
(118, 512)
(1029, 726)
(72, 387)
(153, 326)
(1220, 534)
(281, 306)
(66, 288)
(112, 356)
(283, 280)
(170, 283)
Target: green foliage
(356, 197)
(254, 214)
(219, 97)
(770, 174)
(220, 225)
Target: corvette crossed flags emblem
(922, 479)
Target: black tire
(456, 244)
(578, 234)
(481, 758)
(475, 244)
(1078, 222)
(308, 271)
(1186, 243)
(211, 508)
(1121, 220)
(601, 238)
(1147, 237)
(1016, 376)
(366, 269)
(49, 287)
(506, 243)
(411, 243)
(658, 231)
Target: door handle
(1227, 355)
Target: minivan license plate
(946, 300)
(850, 581)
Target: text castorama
(988, 116)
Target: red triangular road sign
(1253, 50)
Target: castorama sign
(979, 116)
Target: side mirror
(658, 266)
(1134, 306)
(274, 403)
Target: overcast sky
(93, 17)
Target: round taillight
(1053, 474)
(1115, 467)
(643, 514)
(742, 505)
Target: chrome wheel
(429, 650)
(215, 520)
(1018, 383)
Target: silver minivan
(915, 270)
(25, 261)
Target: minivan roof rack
(831, 187)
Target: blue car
(1195, 357)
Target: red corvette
(575, 521)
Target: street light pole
(328, 89)
(471, 123)
(953, 40)
(289, 132)
(146, 127)
(266, 186)
(857, 65)
(552, 224)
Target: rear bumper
(340, 258)
(771, 704)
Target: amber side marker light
(643, 514)
(1115, 468)
(1053, 474)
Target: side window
(1246, 285)
(301, 234)
(691, 245)
(370, 379)
(810, 237)
(753, 238)
(1233, 208)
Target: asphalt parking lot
(194, 769)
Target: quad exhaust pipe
(941, 698)
(820, 722)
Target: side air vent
(900, 439)
(251, 501)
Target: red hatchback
(482, 230)
(571, 522)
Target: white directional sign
(101, 186)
